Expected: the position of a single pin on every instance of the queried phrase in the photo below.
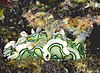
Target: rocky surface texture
(13, 23)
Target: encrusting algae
(2, 14)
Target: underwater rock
(53, 67)
(15, 22)
(94, 39)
